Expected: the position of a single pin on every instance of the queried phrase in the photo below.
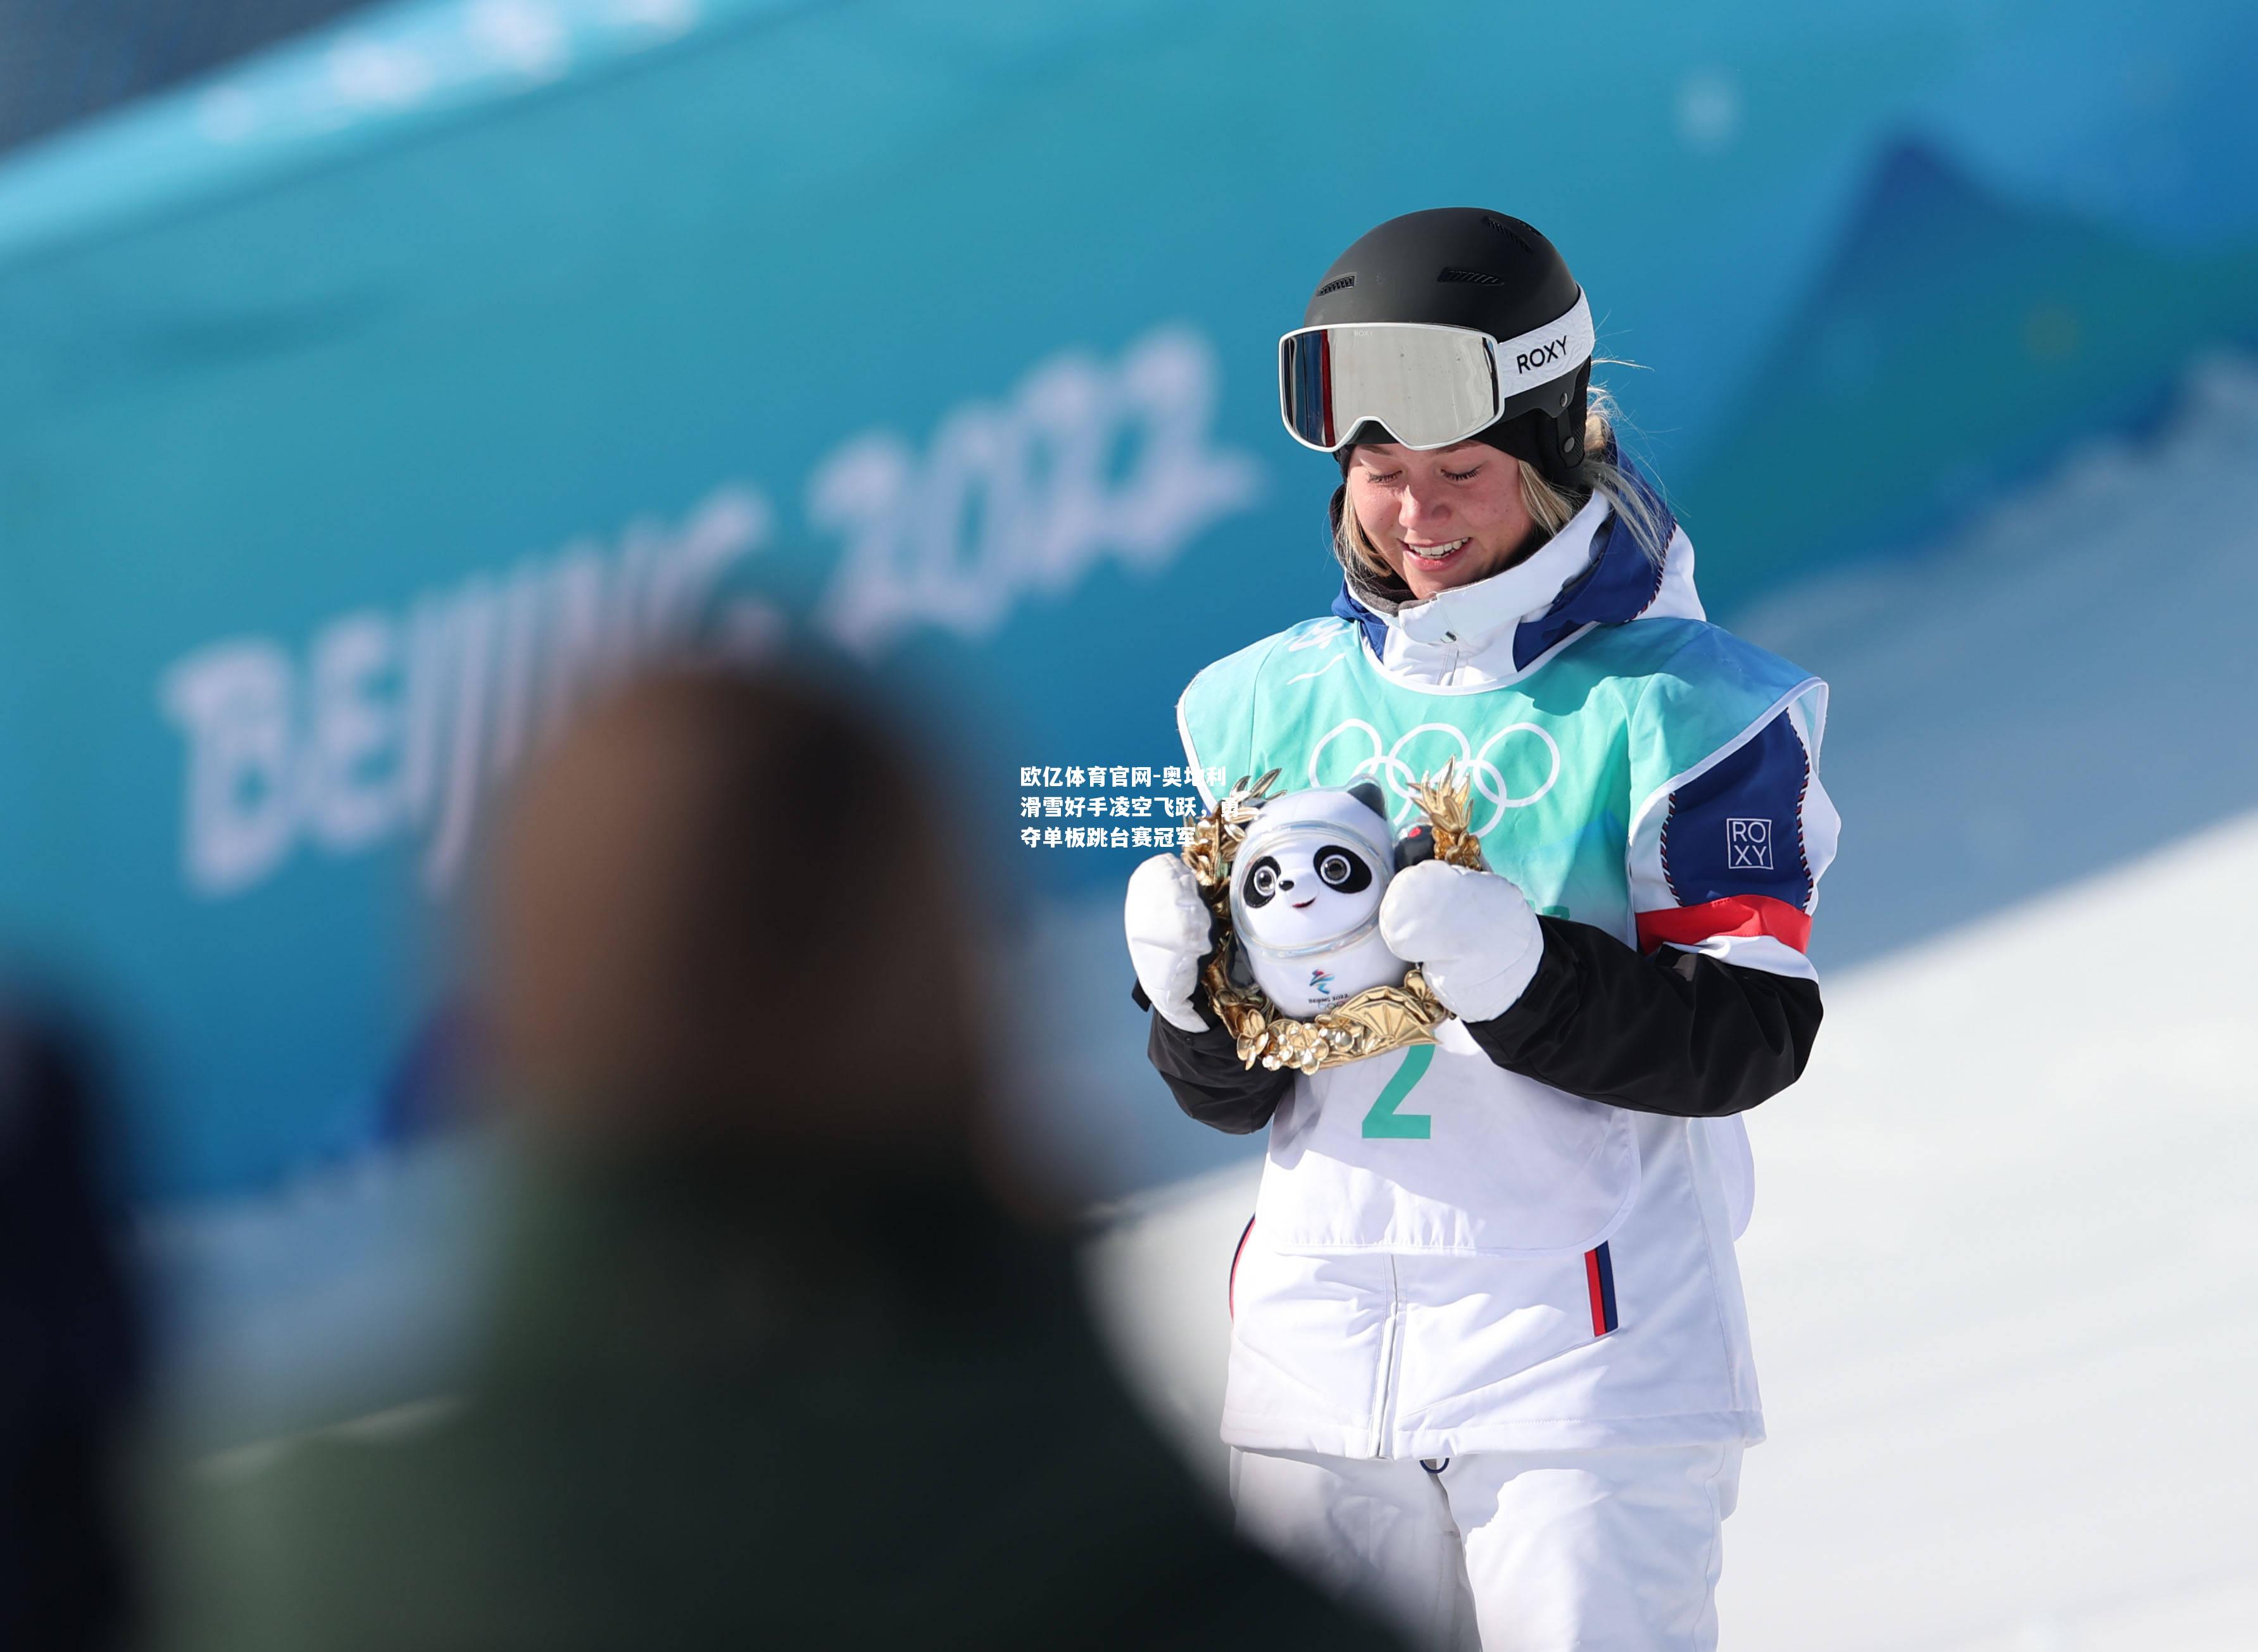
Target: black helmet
(1464, 266)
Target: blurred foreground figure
(71, 1357)
(772, 1364)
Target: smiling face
(1444, 518)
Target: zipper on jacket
(1391, 1359)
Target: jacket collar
(1592, 572)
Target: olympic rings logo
(1388, 763)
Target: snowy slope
(2006, 1284)
(2068, 680)
(2004, 1281)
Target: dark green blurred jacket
(730, 1407)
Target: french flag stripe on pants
(1599, 1275)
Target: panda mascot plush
(1305, 892)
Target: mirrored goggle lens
(1430, 386)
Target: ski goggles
(1429, 385)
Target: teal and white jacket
(1449, 1253)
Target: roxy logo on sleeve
(1748, 844)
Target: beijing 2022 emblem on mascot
(1300, 975)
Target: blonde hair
(1548, 505)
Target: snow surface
(2003, 1277)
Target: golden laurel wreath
(1375, 1020)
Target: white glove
(1471, 934)
(1169, 932)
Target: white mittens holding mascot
(1471, 934)
(1169, 933)
(1322, 913)
(1305, 892)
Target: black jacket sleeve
(1674, 1032)
(1202, 1071)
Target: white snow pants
(1506, 1551)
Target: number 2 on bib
(1383, 1121)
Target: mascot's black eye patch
(1261, 881)
(1342, 869)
